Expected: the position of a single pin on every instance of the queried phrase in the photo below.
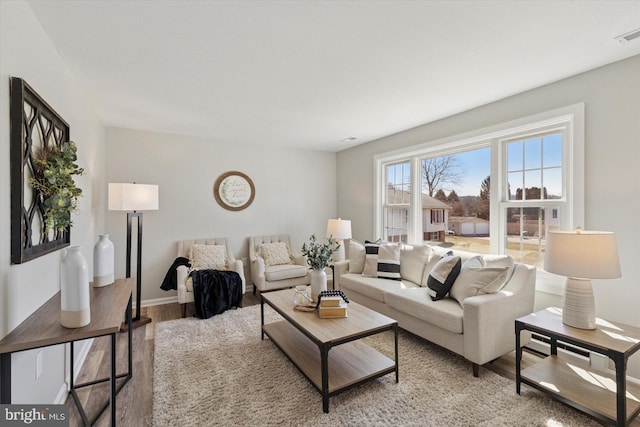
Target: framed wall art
(234, 191)
(34, 126)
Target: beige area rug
(219, 372)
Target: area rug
(219, 372)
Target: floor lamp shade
(339, 229)
(133, 198)
(581, 256)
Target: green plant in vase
(54, 167)
(319, 257)
(319, 254)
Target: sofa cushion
(475, 279)
(208, 257)
(356, 256)
(373, 287)
(274, 253)
(445, 313)
(284, 271)
(412, 262)
(442, 276)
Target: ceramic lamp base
(579, 304)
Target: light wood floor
(134, 402)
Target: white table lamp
(133, 198)
(339, 229)
(581, 256)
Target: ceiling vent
(629, 36)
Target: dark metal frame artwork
(33, 124)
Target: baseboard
(78, 360)
(165, 300)
(157, 301)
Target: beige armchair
(185, 286)
(275, 264)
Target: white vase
(318, 282)
(74, 290)
(103, 261)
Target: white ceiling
(309, 74)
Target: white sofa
(480, 329)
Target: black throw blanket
(214, 291)
(171, 278)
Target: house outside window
(535, 184)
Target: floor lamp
(133, 198)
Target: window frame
(569, 118)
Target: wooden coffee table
(329, 351)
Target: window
(397, 201)
(437, 216)
(517, 180)
(534, 168)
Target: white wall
(612, 102)
(27, 52)
(295, 194)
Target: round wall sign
(234, 191)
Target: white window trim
(493, 136)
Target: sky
(475, 166)
(536, 162)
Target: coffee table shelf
(329, 352)
(349, 364)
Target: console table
(43, 329)
(600, 394)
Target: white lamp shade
(339, 229)
(582, 254)
(133, 197)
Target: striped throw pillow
(382, 260)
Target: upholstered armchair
(275, 264)
(219, 258)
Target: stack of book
(332, 308)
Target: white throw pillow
(274, 253)
(475, 279)
(356, 256)
(412, 262)
(500, 261)
(203, 257)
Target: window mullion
(415, 211)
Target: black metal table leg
(395, 331)
(5, 378)
(324, 361)
(262, 316)
(518, 356)
(112, 379)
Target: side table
(602, 395)
(43, 329)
